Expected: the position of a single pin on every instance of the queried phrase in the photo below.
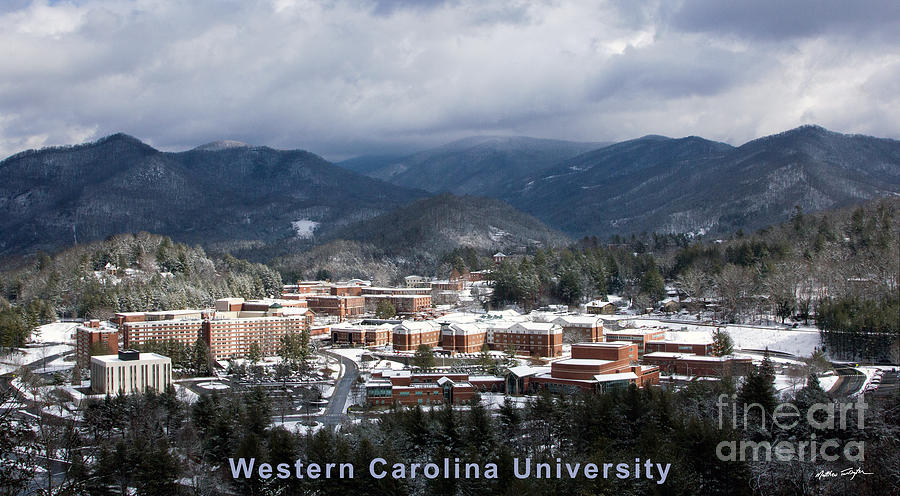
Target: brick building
(232, 337)
(361, 334)
(228, 330)
(533, 338)
(580, 328)
(462, 338)
(405, 388)
(92, 338)
(694, 365)
(638, 336)
(343, 307)
(139, 333)
(701, 349)
(409, 335)
(593, 367)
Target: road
(335, 413)
(849, 382)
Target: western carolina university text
(447, 468)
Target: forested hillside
(124, 273)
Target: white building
(130, 372)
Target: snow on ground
(354, 354)
(387, 364)
(827, 381)
(57, 332)
(328, 391)
(870, 373)
(24, 356)
(785, 384)
(185, 394)
(494, 401)
(800, 342)
(298, 426)
(304, 228)
(212, 385)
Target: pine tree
(722, 344)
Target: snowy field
(800, 342)
(23, 356)
(354, 354)
(57, 332)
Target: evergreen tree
(722, 344)
(424, 357)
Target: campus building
(409, 335)
(687, 364)
(594, 367)
(130, 372)
(341, 306)
(92, 338)
(580, 328)
(362, 334)
(702, 349)
(638, 336)
(462, 338)
(228, 330)
(406, 388)
(533, 338)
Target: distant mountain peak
(215, 146)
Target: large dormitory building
(228, 330)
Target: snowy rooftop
(587, 362)
(622, 376)
(107, 359)
(526, 370)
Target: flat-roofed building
(140, 333)
(362, 334)
(405, 388)
(342, 307)
(232, 337)
(700, 348)
(129, 372)
(93, 338)
(637, 336)
(694, 365)
(610, 350)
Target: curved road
(849, 382)
(335, 413)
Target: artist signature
(847, 472)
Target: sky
(344, 78)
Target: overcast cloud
(341, 78)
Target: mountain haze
(695, 185)
(479, 165)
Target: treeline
(574, 275)
(840, 268)
(124, 273)
(158, 444)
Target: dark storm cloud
(779, 19)
(345, 77)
